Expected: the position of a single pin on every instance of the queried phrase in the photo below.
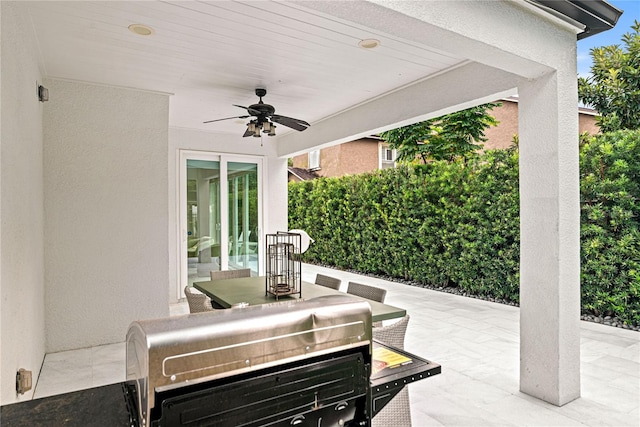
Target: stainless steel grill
(287, 363)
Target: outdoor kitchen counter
(99, 407)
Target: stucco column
(550, 238)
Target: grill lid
(166, 354)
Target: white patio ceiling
(211, 55)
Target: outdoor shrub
(610, 236)
(487, 229)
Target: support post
(550, 238)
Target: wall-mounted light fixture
(43, 93)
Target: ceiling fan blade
(249, 110)
(227, 118)
(247, 133)
(290, 122)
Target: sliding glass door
(220, 214)
(242, 184)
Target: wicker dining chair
(328, 281)
(397, 412)
(392, 334)
(367, 291)
(230, 274)
(198, 303)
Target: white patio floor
(477, 344)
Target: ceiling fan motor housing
(263, 109)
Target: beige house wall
(349, 158)
(501, 136)
(301, 161)
(587, 123)
(359, 156)
(330, 161)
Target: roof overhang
(595, 16)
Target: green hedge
(610, 232)
(457, 224)
(442, 224)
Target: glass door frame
(223, 160)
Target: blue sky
(631, 10)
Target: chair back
(398, 411)
(230, 274)
(328, 281)
(198, 303)
(392, 334)
(367, 291)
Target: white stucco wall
(274, 182)
(21, 213)
(105, 170)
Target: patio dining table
(252, 290)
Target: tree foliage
(614, 85)
(444, 138)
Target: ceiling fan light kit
(265, 118)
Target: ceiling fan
(265, 118)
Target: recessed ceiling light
(369, 43)
(141, 30)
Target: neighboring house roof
(588, 111)
(581, 108)
(303, 174)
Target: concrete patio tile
(81, 357)
(108, 353)
(456, 400)
(523, 410)
(477, 344)
(601, 334)
(419, 418)
(64, 372)
(601, 391)
(108, 373)
(633, 416)
(620, 365)
(623, 383)
(631, 353)
(588, 412)
(604, 345)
